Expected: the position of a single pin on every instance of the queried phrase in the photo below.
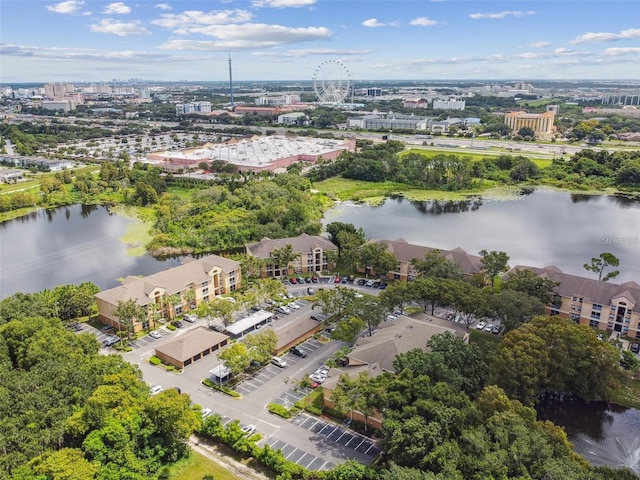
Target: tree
(370, 310)
(349, 245)
(335, 229)
(435, 265)
(218, 308)
(348, 329)
(534, 285)
(377, 257)
(493, 264)
(251, 266)
(600, 263)
(514, 308)
(397, 295)
(129, 313)
(282, 257)
(262, 345)
(236, 357)
(526, 132)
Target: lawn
(197, 466)
(476, 157)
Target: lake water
(605, 434)
(537, 229)
(68, 245)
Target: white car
(316, 377)
(283, 310)
(294, 305)
(248, 429)
(206, 412)
(155, 334)
(488, 327)
(156, 389)
(369, 283)
(481, 325)
(279, 362)
(391, 318)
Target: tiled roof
(302, 244)
(589, 289)
(191, 343)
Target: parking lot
(339, 434)
(265, 374)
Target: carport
(295, 333)
(250, 323)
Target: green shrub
(170, 368)
(171, 327)
(154, 360)
(208, 383)
(279, 410)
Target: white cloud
(66, 54)
(310, 52)
(614, 52)
(501, 15)
(70, 6)
(194, 17)
(423, 22)
(116, 27)
(373, 23)
(628, 34)
(282, 3)
(248, 35)
(541, 44)
(118, 8)
(163, 6)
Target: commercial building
(255, 154)
(310, 250)
(540, 123)
(193, 107)
(166, 294)
(602, 305)
(191, 347)
(293, 118)
(394, 121)
(449, 104)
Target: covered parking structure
(248, 324)
(296, 333)
(191, 347)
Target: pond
(539, 228)
(68, 245)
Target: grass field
(197, 466)
(475, 156)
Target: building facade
(166, 294)
(601, 305)
(449, 104)
(540, 123)
(193, 107)
(310, 251)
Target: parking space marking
(325, 426)
(290, 453)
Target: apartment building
(166, 294)
(602, 305)
(310, 250)
(540, 123)
(193, 107)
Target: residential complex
(193, 107)
(602, 305)
(540, 123)
(166, 294)
(310, 250)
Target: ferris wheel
(332, 82)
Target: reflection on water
(605, 434)
(449, 206)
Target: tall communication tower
(230, 83)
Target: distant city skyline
(280, 40)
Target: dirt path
(211, 451)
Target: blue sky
(76, 40)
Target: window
(205, 283)
(594, 323)
(595, 315)
(596, 307)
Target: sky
(280, 40)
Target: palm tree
(189, 297)
(174, 300)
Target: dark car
(314, 279)
(177, 324)
(217, 328)
(299, 352)
(307, 280)
(635, 347)
(382, 286)
(496, 329)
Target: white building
(448, 104)
(193, 107)
(293, 118)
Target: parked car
(298, 352)
(248, 430)
(217, 328)
(106, 328)
(310, 291)
(283, 310)
(383, 285)
(294, 306)
(109, 341)
(376, 284)
(481, 325)
(256, 308)
(190, 318)
(496, 329)
(318, 378)
(369, 283)
(300, 280)
(293, 280)
(307, 280)
(391, 318)
(177, 324)
(156, 389)
(336, 279)
(635, 347)
(279, 362)
(488, 327)
(155, 334)
(314, 279)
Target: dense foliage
(68, 412)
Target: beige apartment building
(166, 294)
(602, 305)
(310, 250)
(540, 123)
